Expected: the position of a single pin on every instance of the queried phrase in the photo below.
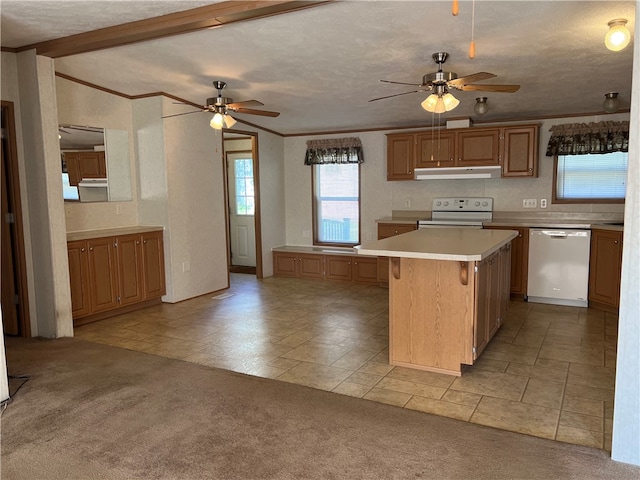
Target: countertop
(458, 244)
(111, 232)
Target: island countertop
(457, 244)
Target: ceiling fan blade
(186, 113)
(398, 94)
(403, 83)
(250, 111)
(491, 88)
(475, 77)
(246, 103)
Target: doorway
(242, 202)
(14, 299)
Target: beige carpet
(91, 411)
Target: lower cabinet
(519, 259)
(349, 268)
(108, 274)
(605, 268)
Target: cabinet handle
(91, 249)
(615, 241)
(82, 249)
(531, 170)
(144, 241)
(137, 242)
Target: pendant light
(611, 103)
(618, 36)
(481, 106)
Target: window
(245, 196)
(593, 178)
(336, 203)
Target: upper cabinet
(515, 148)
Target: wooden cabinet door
(92, 165)
(129, 250)
(481, 323)
(365, 269)
(605, 268)
(435, 149)
(79, 278)
(386, 230)
(72, 161)
(400, 156)
(519, 259)
(520, 151)
(310, 266)
(285, 264)
(103, 286)
(153, 279)
(478, 148)
(494, 309)
(338, 267)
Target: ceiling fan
(441, 82)
(221, 106)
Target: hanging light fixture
(618, 36)
(481, 106)
(220, 119)
(440, 101)
(611, 103)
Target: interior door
(241, 208)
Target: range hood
(455, 173)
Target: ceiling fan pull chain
(454, 8)
(472, 45)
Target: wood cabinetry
(442, 314)
(85, 165)
(519, 259)
(520, 151)
(605, 266)
(513, 147)
(347, 268)
(386, 230)
(109, 274)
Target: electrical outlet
(407, 203)
(543, 203)
(118, 209)
(186, 266)
(529, 203)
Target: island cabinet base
(442, 313)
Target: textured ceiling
(320, 66)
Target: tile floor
(549, 372)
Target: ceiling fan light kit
(611, 103)
(618, 35)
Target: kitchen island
(448, 293)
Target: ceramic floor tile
(579, 436)
(568, 353)
(584, 406)
(549, 363)
(516, 417)
(354, 359)
(411, 388)
(352, 389)
(376, 368)
(584, 422)
(462, 398)
(591, 393)
(590, 376)
(510, 353)
(313, 375)
(324, 355)
(543, 393)
(490, 365)
(422, 377)
(441, 407)
(365, 379)
(499, 385)
(388, 396)
(540, 372)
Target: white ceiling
(320, 66)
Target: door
(14, 300)
(241, 208)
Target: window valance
(586, 138)
(334, 150)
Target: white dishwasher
(559, 266)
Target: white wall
(82, 105)
(380, 198)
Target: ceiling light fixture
(481, 106)
(611, 103)
(618, 35)
(220, 119)
(440, 101)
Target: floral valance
(585, 138)
(334, 150)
